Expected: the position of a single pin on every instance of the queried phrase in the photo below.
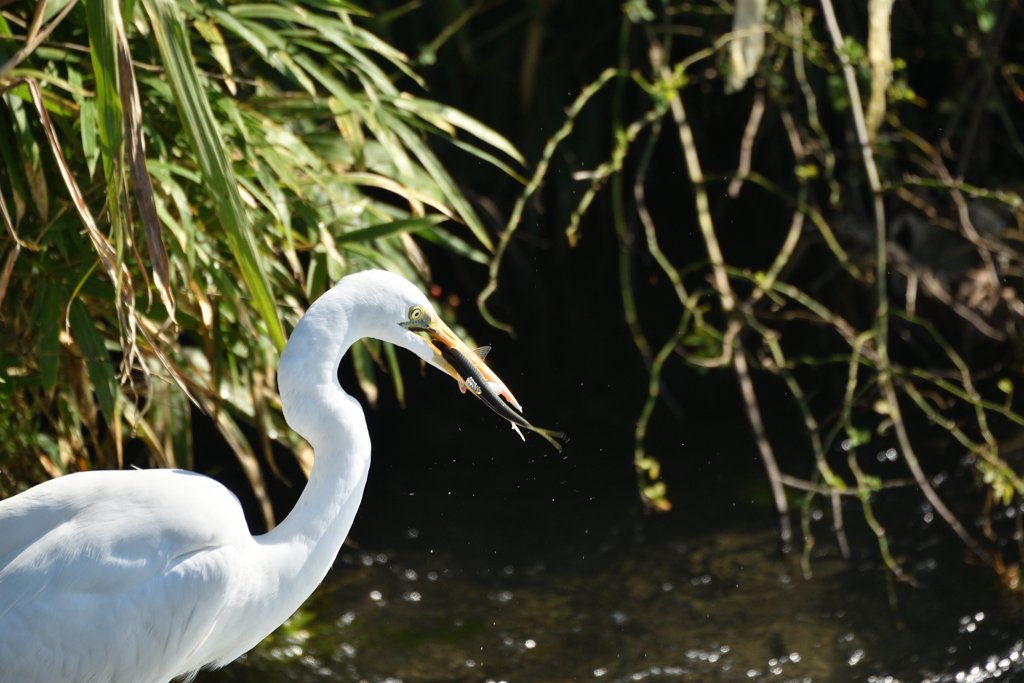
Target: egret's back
(100, 565)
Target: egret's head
(378, 304)
(392, 309)
(423, 320)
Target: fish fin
(482, 352)
(515, 428)
(509, 397)
(462, 386)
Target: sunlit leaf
(435, 111)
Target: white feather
(143, 576)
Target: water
(482, 559)
(725, 607)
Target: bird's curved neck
(298, 553)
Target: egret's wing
(137, 561)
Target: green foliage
(251, 156)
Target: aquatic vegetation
(885, 292)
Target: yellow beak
(440, 334)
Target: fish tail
(551, 436)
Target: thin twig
(805, 485)
(626, 237)
(882, 314)
(892, 403)
(764, 446)
(864, 494)
(837, 524)
(795, 28)
(535, 181)
(656, 55)
(640, 435)
(747, 145)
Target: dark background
(453, 470)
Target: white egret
(144, 576)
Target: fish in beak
(468, 368)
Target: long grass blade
(101, 16)
(441, 114)
(392, 228)
(201, 128)
(440, 176)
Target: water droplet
(530, 644)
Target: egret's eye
(416, 313)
